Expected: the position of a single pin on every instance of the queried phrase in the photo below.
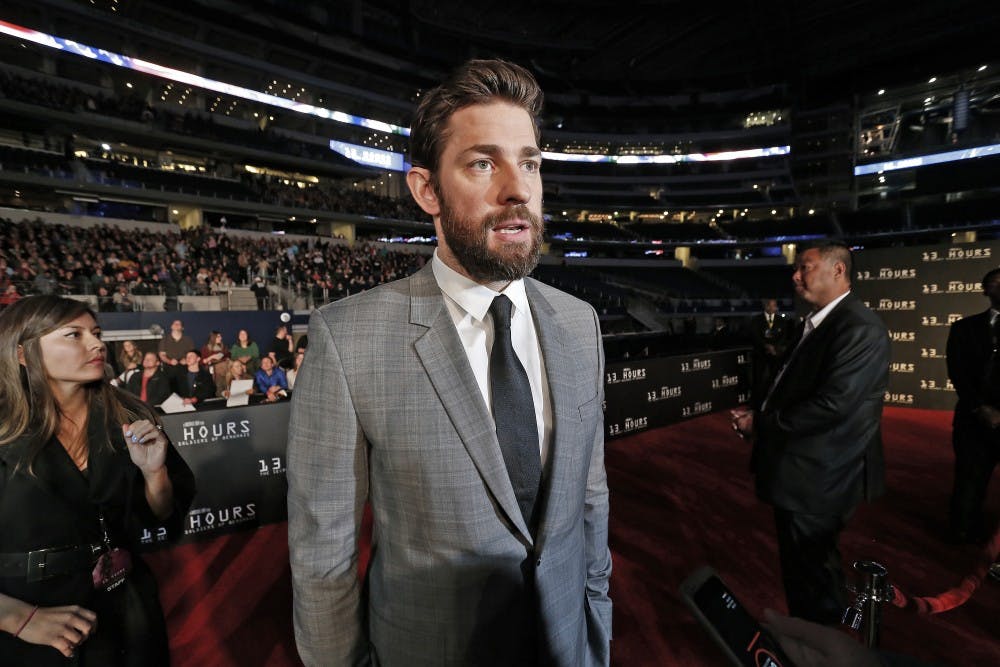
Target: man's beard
(469, 243)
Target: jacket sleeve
(856, 366)
(327, 490)
(183, 483)
(595, 521)
(964, 370)
(756, 333)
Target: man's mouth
(512, 227)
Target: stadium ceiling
(650, 47)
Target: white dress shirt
(468, 303)
(820, 315)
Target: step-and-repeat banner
(657, 392)
(238, 454)
(918, 292)
(238, 459)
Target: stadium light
(179, 76)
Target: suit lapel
(443, 357)
(563, 380)
(816, 340)
(55, 472)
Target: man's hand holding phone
(742, 422)
(728, 622)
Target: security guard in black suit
(771, 333)
(817, 442)
(974, 369)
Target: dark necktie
(514, 413)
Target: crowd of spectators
(115, 264)
(199, 377)
(71, 98)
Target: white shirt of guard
(468, 303)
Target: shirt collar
(473, 298)
(820, 315)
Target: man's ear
(20, 355)
(419, 181)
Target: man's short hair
(989, 276)
(475, 82)
(838, 251)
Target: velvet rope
(957, 596)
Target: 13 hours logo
(271, 466)
(663, 394)
(199, 432)
(696, 364)
(208, 518)
(625, 375)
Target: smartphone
(740, 636)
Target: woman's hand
(62, 628)
(147, 445)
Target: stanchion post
(874, 589)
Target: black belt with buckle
(45, 563)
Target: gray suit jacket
(386, 409)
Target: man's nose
(514, 188)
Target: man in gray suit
(465, 405)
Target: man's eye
(532, 167)
(481, 165)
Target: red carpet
(681, 497)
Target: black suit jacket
(158, 388)
(204, 385)
(819, 446)
(970, 346)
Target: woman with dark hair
(84, 467)
(246, 351)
